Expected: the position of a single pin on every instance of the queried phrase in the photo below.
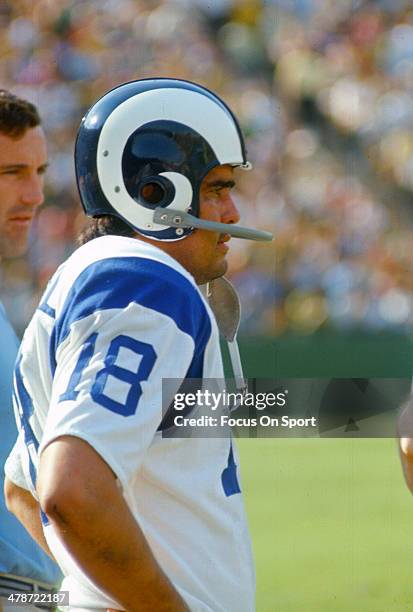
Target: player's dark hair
(16, 115)
(105, 225)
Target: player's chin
(13, 246)
(219, 269)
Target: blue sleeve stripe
(119, 281)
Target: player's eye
(222, 188)
(224, 191)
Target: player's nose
(230, 213)
(32, 191)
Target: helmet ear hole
(155, 191)
(152, 193)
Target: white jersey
(118, 317)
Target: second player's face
(205, 251)
(22, 165)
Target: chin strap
(236, 364)
(177, 218)
(225, 304)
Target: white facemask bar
(178, 218)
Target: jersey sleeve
(114, 341)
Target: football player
(24, 567)
(138, 519)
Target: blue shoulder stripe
(43, 305)
(119, 281)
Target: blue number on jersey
(85, 356)
(229, 475)
(133, 379)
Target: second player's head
(23, 160)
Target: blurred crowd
(323, 90)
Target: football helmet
(143, 149)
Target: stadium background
(323, 91)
